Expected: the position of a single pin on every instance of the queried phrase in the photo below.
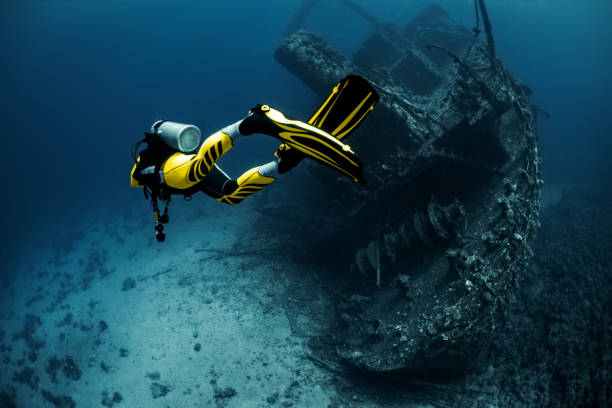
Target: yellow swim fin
(310, 140)
(349, 103)
(346, 107)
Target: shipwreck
(424, 259)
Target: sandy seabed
(220, 315)
(108, 317)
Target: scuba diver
(176, 162)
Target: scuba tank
(178, 136)
(164, 139)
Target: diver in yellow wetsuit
(166, 168)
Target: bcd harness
(148, 173)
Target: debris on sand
(159, 390)
(128, 284)
(60, 401)
(109, 401)
(28, 377)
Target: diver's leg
(250, 182)
(183, 171)
(346, 107)
(216, 183)
(310, 140)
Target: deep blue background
(81, 80)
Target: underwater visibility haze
(414, 213)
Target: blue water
(82, 80)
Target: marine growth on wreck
(452, 201)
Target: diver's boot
(288, 158)
(251, 182)
(310, 140)
(346, 107)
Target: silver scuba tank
(181, 137)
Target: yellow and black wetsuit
(166, 172)
(186, 174)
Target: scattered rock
(292, 390)
(104, 367)
(109, 401)
(93, 266)
(6, 348)
(155, 375)
(36, 298)
(123, 352)
(60, 401)
(71, 370)
(92, 304)
(85, 328)
(128, 284)
(103, 326)
(53, 366)
(197, 347)
(224, 393)
(272, 398)
(32, 355)
(28, 377)
(31, 324)
(7, 398)
(66, 321)
(117, 398)
(221, 394)
(160, 390)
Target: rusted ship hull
(452, 162)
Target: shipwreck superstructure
(431, 250)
